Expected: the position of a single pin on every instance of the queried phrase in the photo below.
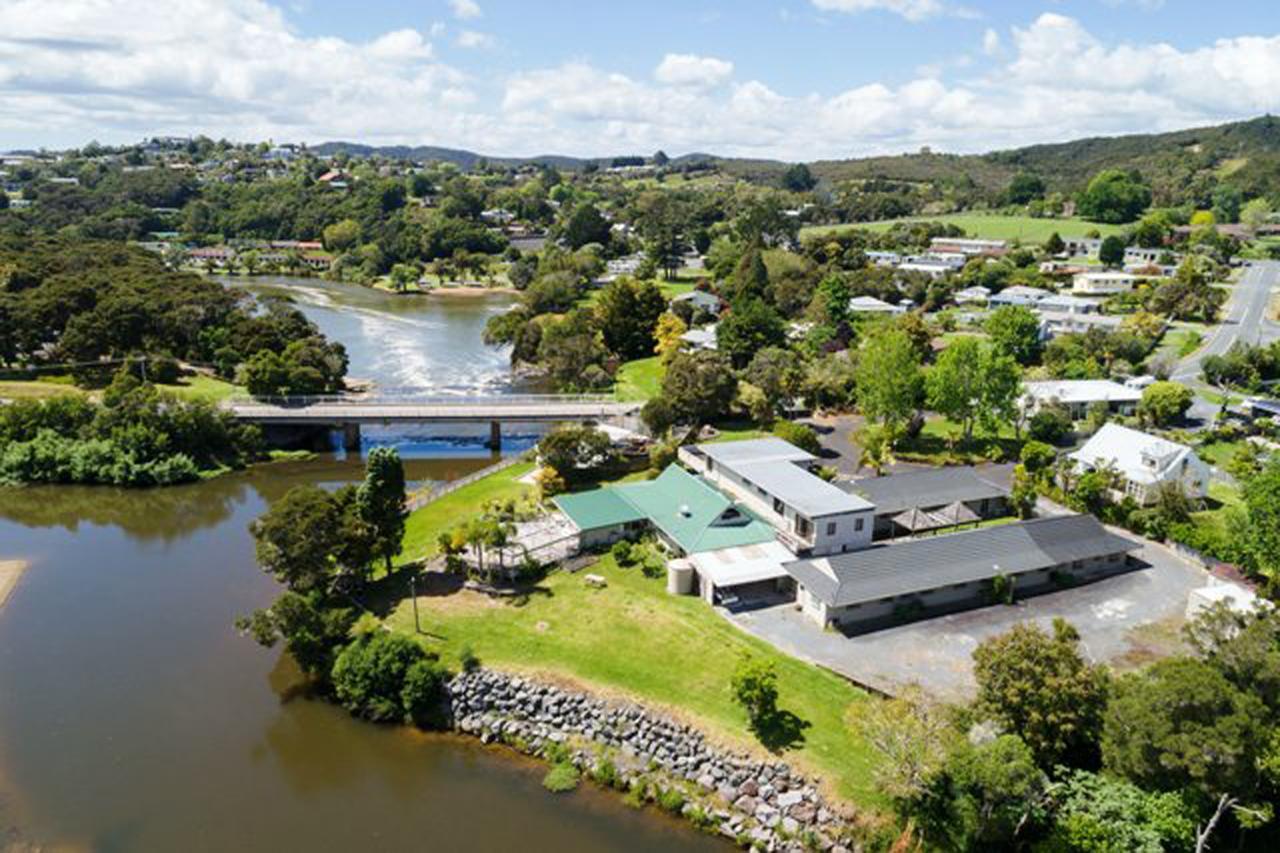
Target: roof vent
(684, 510)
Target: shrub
(1051, 425)
(653, 568)
(606, 773)
(671, 800)
(623, 553)
(755, 688)
(423, 689)
(369, 675)
(557, 752)
(468, 659)
(561, 778)
(801, 435)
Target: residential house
(959, 245)
(871, 305)
(1103, 283)
(701, 300)
(881, 585)
(1079, 394)
(884, 259)
(701, 339)
(1054, 323)
(970, 295)
(1065, 303)
(1145, 463)
(1019, 294)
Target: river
(134, 717)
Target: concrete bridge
(349, 413)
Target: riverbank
(751, 801)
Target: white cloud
(465, 10)
(687, 69)
(912, 10)
(83, 69)
(471, 39)
(990, 42)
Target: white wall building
(1079, 394)
(1102, 283)
(1144, 462)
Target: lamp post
(413, 593)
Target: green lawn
(1223, 499)
(738, 431)
(201, 387)
(1218, 452)
(640, 379)
(932, 445)
(986, 226)
(632, 638)
(17, 389)
(425, 525)
(1179, 342)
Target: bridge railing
(383, 399)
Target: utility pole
(413, 593)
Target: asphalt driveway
(1126, 619)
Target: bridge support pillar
(495, 436)
(351, 438)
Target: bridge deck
(336, 412)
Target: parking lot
(1127, 620)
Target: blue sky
(794, 79)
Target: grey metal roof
(920, 565)
(730, 453)
(924, 489)
(775, 466)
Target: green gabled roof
(689, 512)
(598, 508)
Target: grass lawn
(985, 226)
(425, 525)
(738, 431)
(632, 638)
(1218, 453)
(1179, 342)
(21, 389)
(932, 444)
(201, 387)
(640, 379)
(1223, 499)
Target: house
(881, 585)
(1065, 303)
(1145, 463)
(871, 305)
(1079, 394)
(701, 339)
(775, 480)
(958, 245)
(884, 259)
(1054, 323)
(970, 295)
(1102, 283)
(1261, 407)
(926, 500)
(700, 299)
(1019, 294)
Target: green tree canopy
(627, 312)
(747, 328)
(1015, 329)
(887, 380)
(1114, 196)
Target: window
(777, 506)
(831, 528)
(857, 525)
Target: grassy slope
(634, 638)
(640, 379)
(200, 387)
(985, 226)
(425, 526)
(17, 389)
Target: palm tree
(876, 443)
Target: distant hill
(1247, 151)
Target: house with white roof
(700, 299)
(1102, 283)
(971, 295)
(964, 246)
(1054, 323)
(701, 339)
(1065, 303)
(1079, 394)
(871, 305)
(1144, 462)
(1019, 294)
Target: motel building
(750, 523)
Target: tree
(586, 225)
(995, 791)
(575, 450)
(747, 328)
(1114, 196)
(1255, 214)
(1023, 493)
(668, 334)
(1039, 685)
(973, 383)
(775, 371)
(1095, 812)
(888, 381)
(310, 627)
(1227, 201)
(1054, 245)
(1181, 724)
(1164, 403)
(875, 443)
(342, 235)
(381, 501)
(1262, 506)
(1025, 187)
(627, 312)
(265, 374)
(1015, 329)
(754, 685)
(913, 739)
(1111, 252)
(797, 178)
(698, 386)
(369, 675)
(750, 278)
(295, 538)
(801, 435)
(833, 297)
(403, 275)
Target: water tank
(680, 577)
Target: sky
(785, 79)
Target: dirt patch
(1151, 642)
(10, 571)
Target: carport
(744, 575)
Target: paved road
(1245, 321)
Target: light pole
(413, 593)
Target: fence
(418, 501)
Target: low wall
(753, 802)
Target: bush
(561, 778)
(468, 659)
(671, 800)
(801, 435)
(623, 554)
(369, 676)
(606, 773)
(1051, 425)
(423, 689)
